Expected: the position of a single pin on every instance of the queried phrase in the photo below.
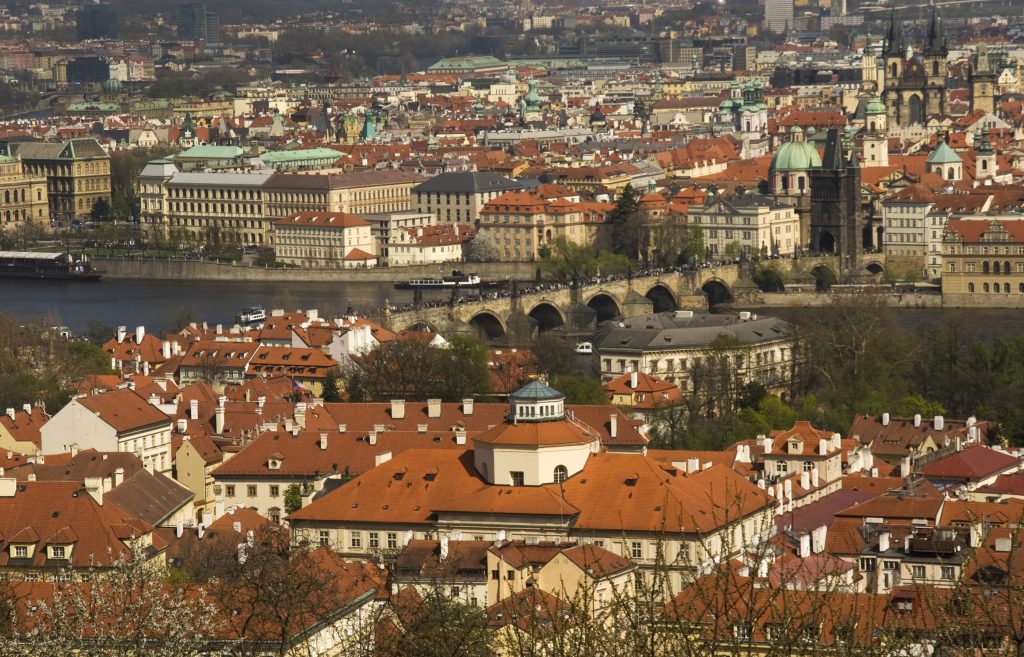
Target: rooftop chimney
(122, 332)
(323, 441)
(805, 546)
(633, 379)
(10, 413)
(260, 401)
(938, 422)
(140, 332)
(467, 406)
(300, 414)
(372, 438)
(613, 425)
(382, 458)
(182, 425)
(118, 477)
(74, 450)
(94, 486)
(883, 541)
(397, 409)
(218, 415)
(165, 349)
(805, 480)
(917, 419)
(885, 419)
(8, 486)
(433, 408)
(193, 408)
(460, 436)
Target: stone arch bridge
(577, 311)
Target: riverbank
(204, 270)
(818, 299)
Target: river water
(165, 305)
(161, 305)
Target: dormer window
(274, 464)
(19, 551)
(58, 552)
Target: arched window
(1006, 266)
(970, 288)
(985, 288)
(1020, 288)
(996, 269)
(561, 474)
(984, 165)
(984, 267)
(1006, 288)
(895, 70)
(951, 174)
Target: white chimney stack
(433, 408)
(300, 414)
(218, 415)
(885, 419)
(805, 480)
(805, 546)
(193, 409)
(917, 419)
(938, 422)
(94, 486)
(323, 441)
(10, 413)
(122, 333)
(467, 406)
(165, 349)
(140, 332)
(397, 409)
(372, 438)
(381, 459)
(118, 477)
(883, 541)
(633, 379)
(613, 425)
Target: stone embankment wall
(202, 270)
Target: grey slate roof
(468, 183)
(665, 331)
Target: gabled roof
(973, 463)
(124, 410)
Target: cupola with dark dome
(539, 443)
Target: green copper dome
(796, 156)
(875, 106)
(943, 154)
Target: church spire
(894, 37)
(935, 41)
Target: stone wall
(199, 270)
(811, 299)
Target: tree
(125, 610)
(100, 210)
(580, 389)
(292, 499)
(435, 626)
(565, 260)
(332, 391)
(625, 223)
(483, 248)
(769, 279)
(695, 250)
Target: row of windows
(251, 490)
(24, 195)
(218, 208)
(994, 289)
(215, 193)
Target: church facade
(915, 83)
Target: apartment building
(675, 345)
(325, 240)
(751, 224)
(355, 192)
(983, 262)
(77, 174)
(523, 224)
(458, 198)
(23, 196)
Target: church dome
(943, 154)
(796, 156)
(875, 106)
(113, 86)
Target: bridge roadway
(577, 310)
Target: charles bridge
(578, 309)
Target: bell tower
(983, 82)
(936, 50)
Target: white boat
(252, 315)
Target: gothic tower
(893, 54)
(982, 81)
(835, 204)
(935, 53)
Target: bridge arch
(488, 325)
(717, 291)
(422, 325)
(662, 297)
(547, 315)
(874, 267)
(605, 305)
(824, 277)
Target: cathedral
(915, 83)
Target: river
(163, 305)
(160, 305)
